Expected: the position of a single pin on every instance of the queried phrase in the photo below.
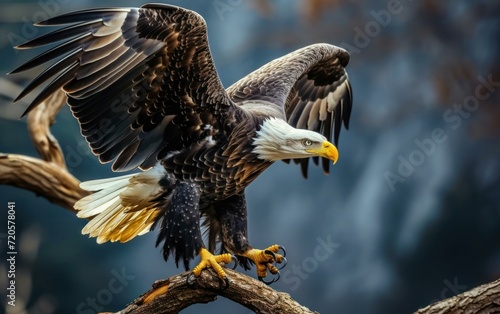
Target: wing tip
(42, 23)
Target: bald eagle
(142, 84)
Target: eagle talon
(272, 268)
(278, 276)
(235, 261)
(276, 260)
(267, 260)
(283, 262)
(191, 280)
(208, 260)
(226, 283)
(269, 252)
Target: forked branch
(47, 176)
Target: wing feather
(46, 75)
(326, 85)
(124, 71)
(82, 16)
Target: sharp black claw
(191, 280)
(226, 283)
(282, 248)
(272, 254)
(278, 276)
(266, 282)
(283, 263)
(235, 260)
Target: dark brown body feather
(222, 166)
(143, 87)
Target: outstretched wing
(321, 101)
(312, 87)
(140, 81)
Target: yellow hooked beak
(327, 150)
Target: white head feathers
(278, 140)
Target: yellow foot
(209, 260)
(267, 259)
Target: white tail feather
(96, 185)
(123, 208)
(97, 202)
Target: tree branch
(46, 179)
(48, 176)
(482, 299)
(40, 120)
(174, 294)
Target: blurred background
(409, 215)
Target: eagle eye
(307, 142)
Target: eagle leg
(231, 215)
(179, 225)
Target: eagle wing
(312, 87)
(140, 81)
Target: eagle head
(277, 140)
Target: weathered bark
(46, 179)
(174, 294)
(482, 299)
(40, 120)
(48, 176)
